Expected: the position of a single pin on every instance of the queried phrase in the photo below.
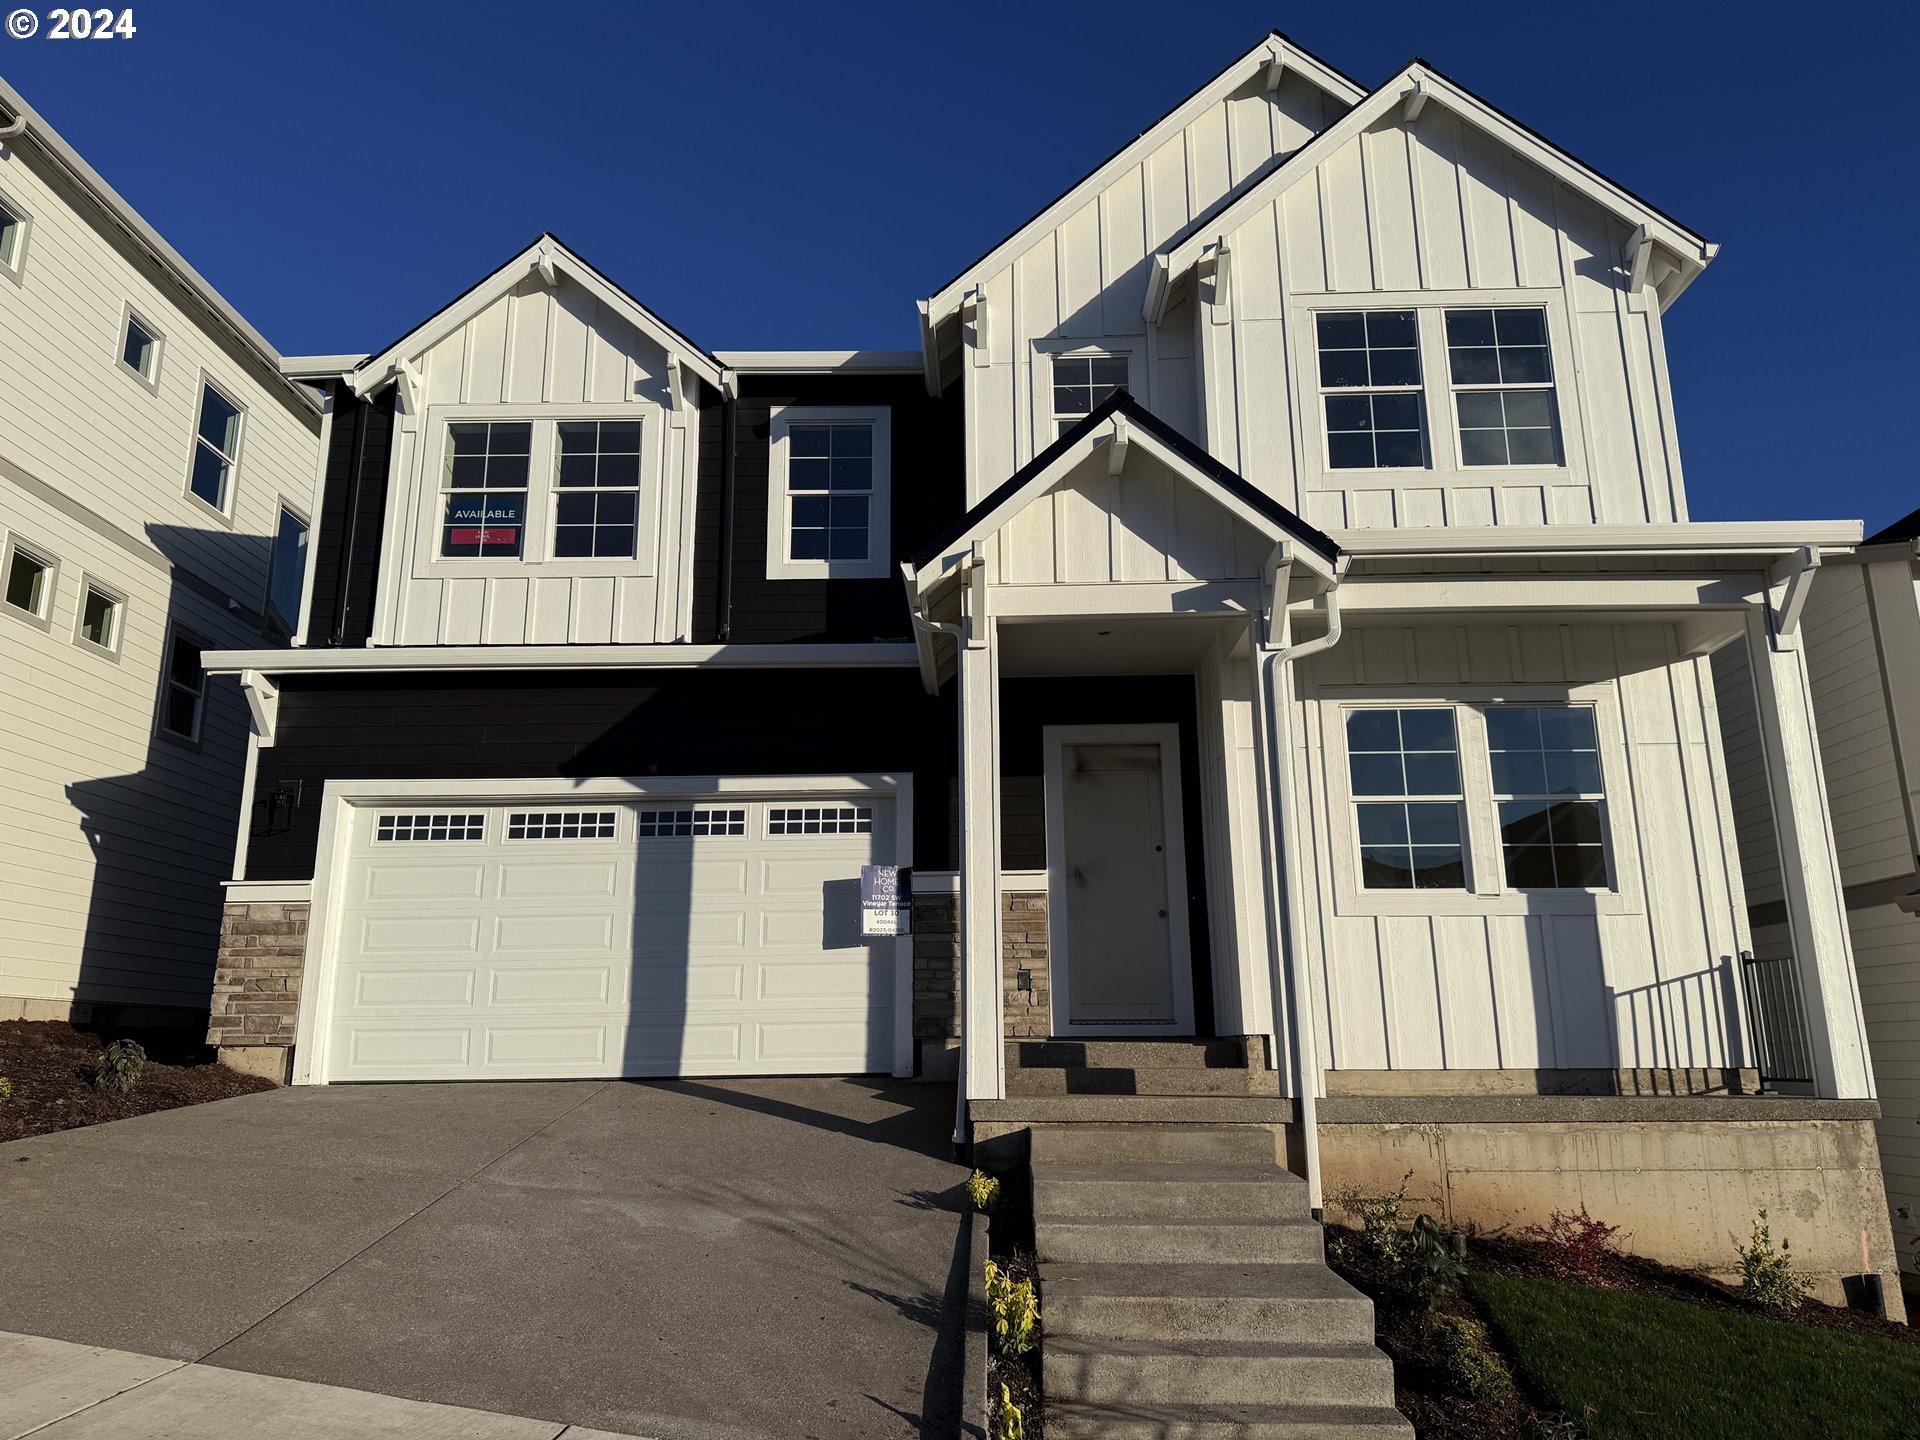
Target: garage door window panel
(441, 826)
(562, 824)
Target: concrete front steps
(1234, 1066)
(1186, 1295)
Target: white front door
(1117, 917)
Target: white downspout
(1306, 1046)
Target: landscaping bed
(51, 1066)
(1010, 1247)
(1640, 1352)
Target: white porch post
(982, 1032)
(1809, 865)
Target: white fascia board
(483, 658)
(1733, 537)
(318, 367)
(548, 256)
(821, 362)
(145, 236)
(1271, 48)
(1690, 249)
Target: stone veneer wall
(256, 979)
(1023, 946)
(936, 969)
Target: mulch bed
(1010, 1243)
(51, 1065)
(1402, 1326)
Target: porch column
(1809, 865)
(982, 1033)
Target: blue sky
(796, 176)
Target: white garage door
(711, 937)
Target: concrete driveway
(694, 1260)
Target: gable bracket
(975, 311)
(1416, 100)
(546, 265)
(1214, 272)
(1275, 70)
(1117, 446)
(263, 704)
(1794, 573)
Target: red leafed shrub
(1575, 1247)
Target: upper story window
(13, 238)
(597, 507)
(1502, 374)
(216, 449)
(485, 480)
(829, 499)
(28, 578)
(140, 349)
(287, 573)
(183, 687)
(1370, 384)
(1081, 382)
(99, 620)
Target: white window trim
(1487, 892)
(16, 272)
(231, 498)
(165, 688)
(49, 589)
(151, 383)
(282, 505)
(1442, 441)
(111, 650)
(1551, 385)
(780, 499)
(536, 547)
(1045, 352)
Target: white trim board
(375, 659)
(331, 858)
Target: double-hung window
(1404, 774)
(13, 238)
(1502, 375)
(1370, 387)
(828, 497)
(484, 480)
(597, 499)
(140, 344)
(1081, 382)
(183, 687)
(1545, 763)
(286, 573)
(216, 449)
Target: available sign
(886, 900)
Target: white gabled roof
(551, 259)
(1273, 49)
(1415, 86)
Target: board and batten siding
(536, 347)
(1427, 214)
(1495, 982)
(1083, 283)
(113, 837)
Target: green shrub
(984, 1190)
(1429, 1269)
(1380, 1220)
(121, 1064)
(1767, 1276)
(1014, 1309)
(1009, 1423)
(1468, 1362)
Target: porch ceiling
(1133, 646)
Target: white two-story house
(156, 484)
(1264, 613)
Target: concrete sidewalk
(61, 1391)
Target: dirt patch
(51, 1066)
(1011, 1245)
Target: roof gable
(551, 260)
(1665, 252)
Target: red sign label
(482, 537)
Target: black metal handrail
(1776, 1019)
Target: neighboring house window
(99, 620)
(1545, 763)
(216, 449)
(485, 477)
(1081, 382)
(1502, 374)
(13, 238)
(140, 349)
(183, 687)
(597, 504)
(1370, 386)
(1404, 773)
(287, 573)
(29, 582)
(829, 497)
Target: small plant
(1560, 1426)
(1767, 1276)
(120, 1066)
(1575, 1247)
(1009, 1423)
(1380, 1218)
(1468, 1362)
(1014, 1309)
(984, 1190)
(1429, 1268)
(6, 1089)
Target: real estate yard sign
(886, 900)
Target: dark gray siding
(344, 577)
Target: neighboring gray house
(156, 479)
(1862, 641)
